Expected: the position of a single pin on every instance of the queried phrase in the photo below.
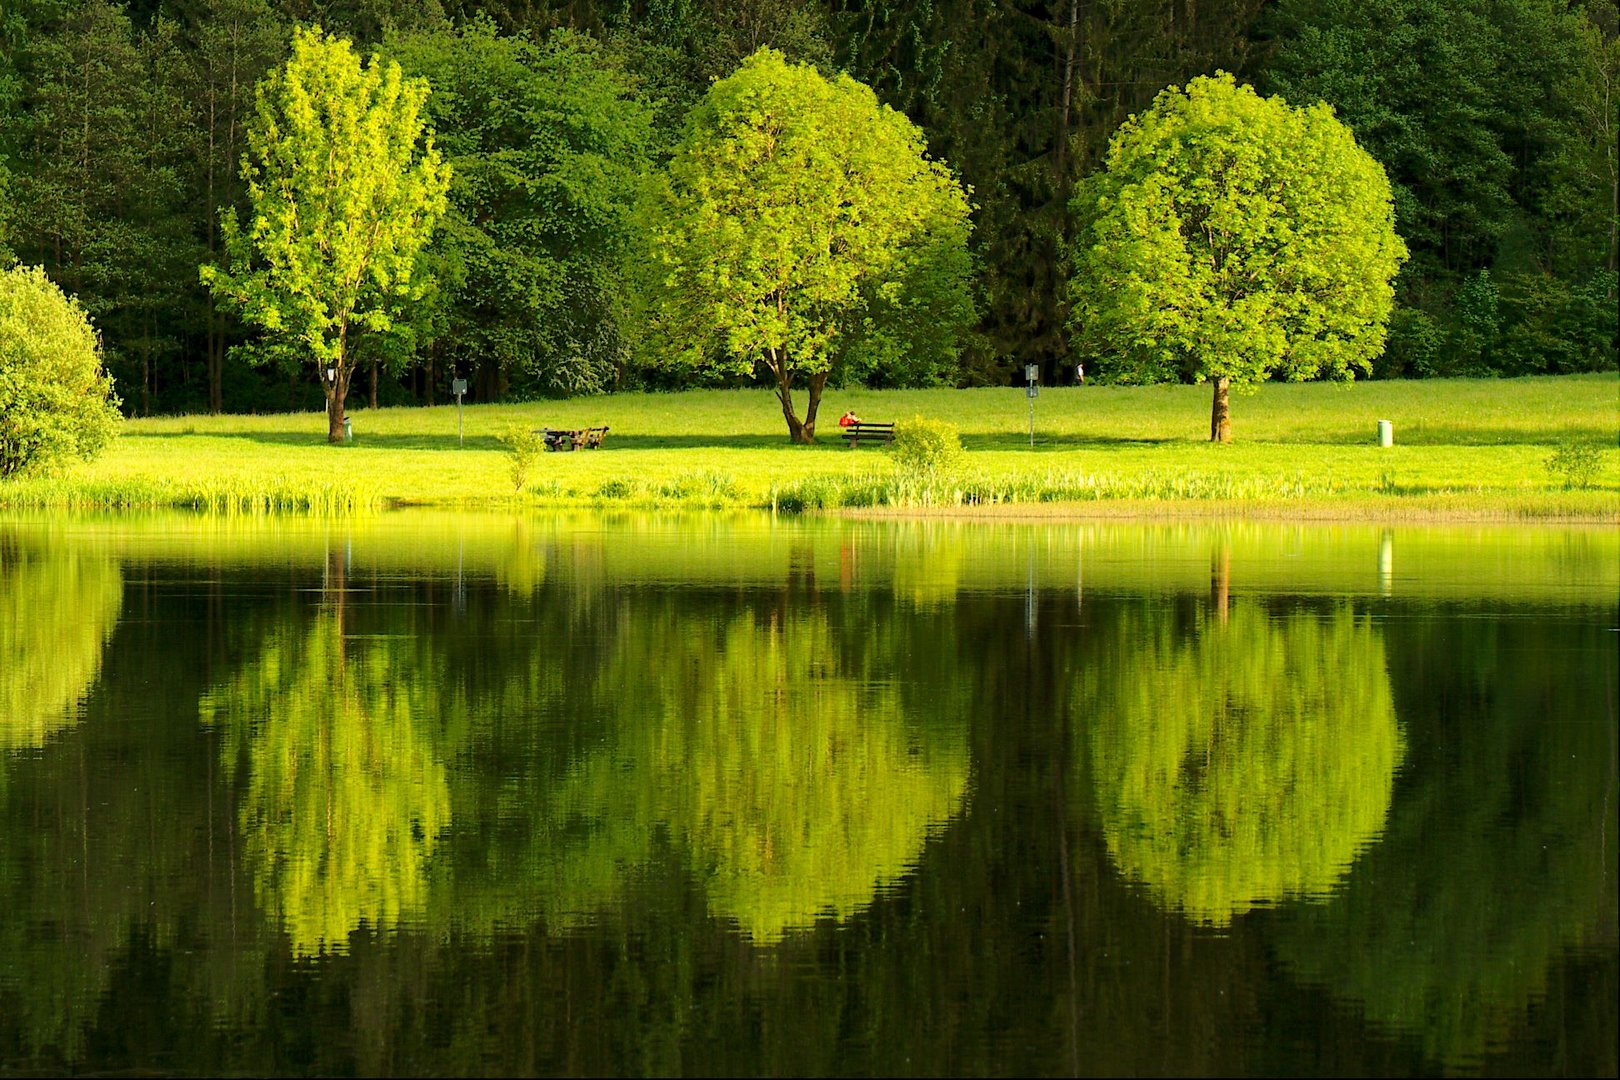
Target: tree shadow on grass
(1054, 443)
(438, 443)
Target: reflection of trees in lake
(1242, 761)
(57, 612)
(789, 788)
(346, 794)
(1501, 851)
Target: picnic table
(589, 438)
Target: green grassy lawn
(1464, 448)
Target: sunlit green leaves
(56, 401)
(57, 611)
(1242, 762)
(1232, 236)
(793, 216)
(346, 187)
(345, 793)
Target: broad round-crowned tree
(1232, 238)
(801, 226)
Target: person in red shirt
(848, 418)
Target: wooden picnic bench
(861, 431)
(574, 438)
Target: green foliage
(1418, 81)
(98, 199)
(1022, 102)
(522, 445)
(795, 787)
(1478, 325)
(1243, 762)
(926, 448)
(545, 141)
(346, 188)
(57, 612)
(1233, 237)
(1552, 325)
(1415, 346)
(1498, 859)
(1576, 463)
(794, 214)
(56, 402)
(346, 793)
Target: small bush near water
(926, 449)
(1576, 463)
(522, 445)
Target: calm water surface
(716, 795)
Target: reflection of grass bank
(1465, 448)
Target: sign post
(458, 387)
(1031, 391)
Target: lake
(441, 794)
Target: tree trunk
(1220, 417)
(372, 398)
(216, 361)
(817, 384)
(337, 392)
(797, 431)
(1068, 95)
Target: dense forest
(123, 126)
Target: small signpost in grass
(1031, 391)
(458, 387)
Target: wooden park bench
(861, 431)
(590, 438)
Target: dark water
(727, 795)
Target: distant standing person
(1080, 370)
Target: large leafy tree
(795, 214)
(1232, 238)
(546, 141)
(346, 187)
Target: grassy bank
(1474, 449)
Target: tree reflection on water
(1242, 760)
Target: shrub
(1577, 463)
(927, 448)
(1414, 346)
(522, 446)
(56, 399)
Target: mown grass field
(1464, 449)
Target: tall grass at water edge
(226, 496)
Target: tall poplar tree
(346, 188)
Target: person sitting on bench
(848, 418)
